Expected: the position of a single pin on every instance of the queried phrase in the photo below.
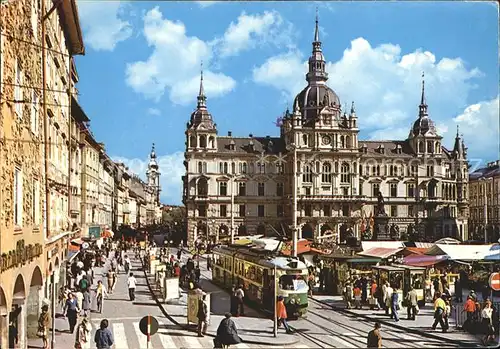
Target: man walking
(132, 284)
(374, 337)
(202, 315)
(411, 300)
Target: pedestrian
(395, 304)
(132, 284)
(412, 304)
(357, 297)
(240, 295)
(387, 299)
(127, 264)
(179, 254)
(78, 295)
(43, 326)
(458, 289)
(86, 302)
(197, 273)
(447, 313)
(103, 337)
(310, 282)
(469, 309)
(110, 278)
(374, 290)
(82, 333)
(13, 335)
(282, 315)
(439, 309)
(374, 339)
(71, 311)
(227, 333)
(233, 307)
(209, 263)
(100, 293)
(348, 294)
(202, 315)
(487, 323)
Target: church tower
(153, 175)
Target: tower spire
(422, 108)
(202, 99)
(422, 99)
(316, 32)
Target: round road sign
(148, 322)
(495, 281)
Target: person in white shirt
(487, 322)
(79, 300)
(132, 284)
(239, 294)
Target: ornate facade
(35, 88)
(317, 177)
(485, 203)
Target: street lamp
(293, 147)
(485, 197)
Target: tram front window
(417, 281)
(293, 282)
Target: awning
(77, 242)
(381, 252)
(466, 252)
(363, 260)
(366, 245)
(424, 260)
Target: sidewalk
(252, 328)
(422, 325)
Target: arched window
(420, 148)
(200, 167)
(326, 176)
(225, 167)
(203, 141)
(347, 142)
(221, 167)
(307, 176)
(233, 168)
(342, 142)
(378, 170)
(204, 167)
(211, 142)
(202, 187)
(391, 170)
(305, 140)
(244, 167)
(430, 148)
(438, 148)
(344, 173)
(192, 142)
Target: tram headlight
(292, 301)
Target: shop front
(21, 283)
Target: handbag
(41, 331)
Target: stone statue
(394, 232)
(380, 205)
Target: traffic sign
(148, 325)
(495, 281)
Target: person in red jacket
(282, 315)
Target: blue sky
(140, 75)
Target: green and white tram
(255, 270)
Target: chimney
(229, 134)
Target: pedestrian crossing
(127, 335)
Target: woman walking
(82, 333)
(43, 326)
(71, 312)
(487, 322)
(100, 293)
(227, 334)
(103, 337)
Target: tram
(414, 277)
(254, 269)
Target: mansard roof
(390, 148)
(270, 145)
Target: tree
(174, 219)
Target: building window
(326, 176)
(202, 210)
(260, 210)
(36, 202)
(200, 167)
(18, 90)
(410, 190)
(233, 168)
(18, 197)
(394, 189)
(375, 189)
(223, 210)
(223, 167)
(411, 212)
(243, 167)
(242, 189)
(34, 114)
(430, 171)
(279, 189)
(242, 210)
(307, 176)
(308, 210)
(223, 188)
(344, 173)
(327, 210)
(280, 212)
(280, 167)
(261, 167)
(394, 211)
(307, 190)
(261, 189)
(361, 184)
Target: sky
(140, 75)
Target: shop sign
(95, 232)
(22, 254)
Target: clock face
(326, 140)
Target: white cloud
(252, 30)
(101, 23)
(174, 63)
(171, 168)
(207, 3)
(479, 125)
(384, 83)
(154, 111)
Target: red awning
(424, 260)
(381, 252)
(303, 246)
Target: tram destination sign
(22, 254)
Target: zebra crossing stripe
(166, 340)
(119, 336)
(143, 340)
(192, 342)
(343, 343)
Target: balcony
(334, 198)
(74, 204)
